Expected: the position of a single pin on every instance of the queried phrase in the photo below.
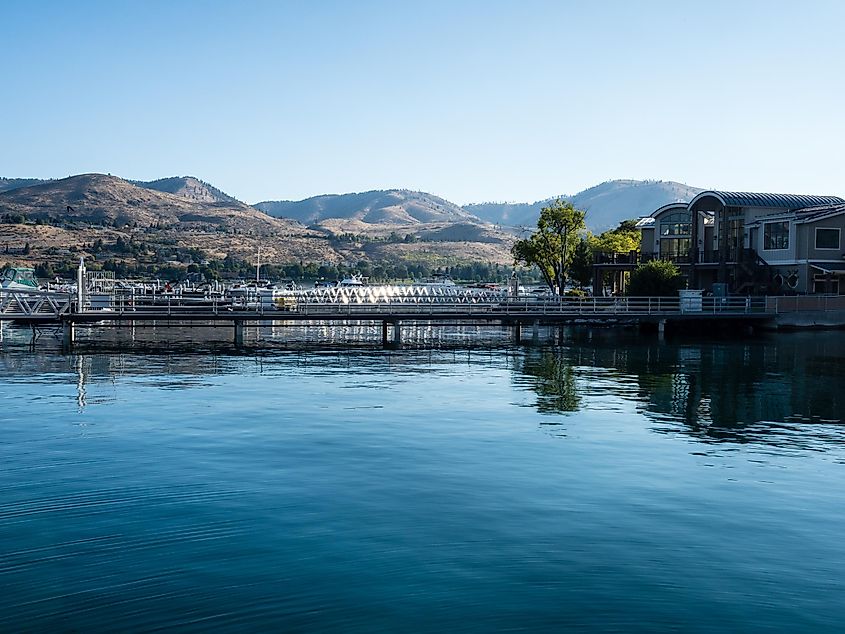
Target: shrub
(655, 278)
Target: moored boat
(19, 278)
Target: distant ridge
(390, 206)
(606, 204)
(8, 184)
(190, 188)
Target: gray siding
(809, 238)
(647, 241)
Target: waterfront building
(745, 243)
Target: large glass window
(676, 224)
(827, 238)
(736, 226)
(776, 235)
(674, 248)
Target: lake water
(613, 483)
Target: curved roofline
(660, 210)
(767, 200)
(712, 193)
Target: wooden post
(384, 333)
(239, 333)
(397, 333)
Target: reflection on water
(612, 483)
(551, 375)
(761, 389)
(717, 390)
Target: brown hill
(392, 206)
(59, 220)
(111, 201)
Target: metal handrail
(34, 304)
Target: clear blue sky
(473, 101)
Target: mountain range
(382, 225)
(606, 204)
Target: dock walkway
(39, 309)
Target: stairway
(752, 275)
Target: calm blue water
(614, 483)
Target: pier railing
(801, 303)
(34, 304)
(588, 306)
(40, 306)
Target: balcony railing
(631, 257)
(667, 257)
(732, 256)
(634, 258)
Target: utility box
(719, 289)
(690, 300)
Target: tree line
(196, 263)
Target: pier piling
(68, 335)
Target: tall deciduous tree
(552, 246)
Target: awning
(829, 267)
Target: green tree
(655, 278)
(581, 268)
(552, 246)
(44, 270)
(623, 239)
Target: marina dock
(389, 310)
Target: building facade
(751, 243)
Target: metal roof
(829, 267)
(801, 216)
(785, 201)
(678, 204)
(816, 213)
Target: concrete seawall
(810, 319)
(806, 311)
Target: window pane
(676, 224)
(776, 235)
(674, 247)
(827, 238)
